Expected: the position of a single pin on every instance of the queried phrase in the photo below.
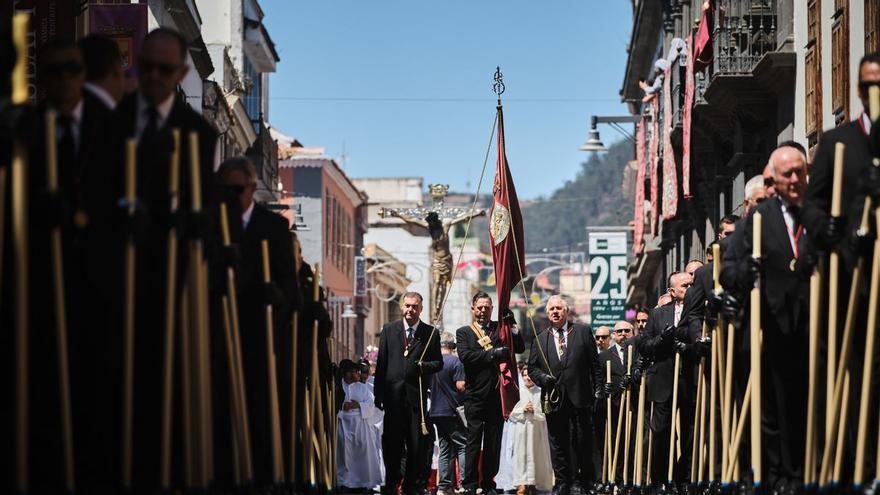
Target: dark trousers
(453, 439)
(484, 427)
(783, 421)
(571, 444)
(403, 429)
(662, 427)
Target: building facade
(333, 209)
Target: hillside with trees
(594, 197)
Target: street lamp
(594, 143)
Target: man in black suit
(616, 354)
(480, 350)
(80, 122)
(784, 307)
(564, 363)
(860, 179)
(239, 175)
(659, 344)
(105, 77)
(150, 115)
(409, 351)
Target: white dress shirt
(246, 216)
(866, 121)
(789, 224)
(678, 307)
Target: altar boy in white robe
(531, 469)
(359, 465)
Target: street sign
(607, 277)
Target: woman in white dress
(358, 460)
(531, 469)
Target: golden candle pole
(650, 454)
(20, 252)
(833, 277)
(237, 366)
(621, 415)
(640, 433)
(713, 397)
(826, 471)
(186, 390)
(60, 309)
(237, 447)
(868, 364)
(841, 430)
(275, 419)
(697, 466)
(755, 345)
(606, 437)
(317, 413)
(236, 373)
(809, 453)
(628, 395)
(670, 464)
(740, 427)
(170, 317)
(128, 336)
(294, 427)
(334, 424)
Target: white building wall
(856, 52)
(311, 241)
(412, 250)
(800, 88)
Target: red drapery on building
(703, 50)
(508, 257)
(687, 110)
(670, 174)
(652, 162)
(639, 207)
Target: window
(253, 97)
(872, 26)
(328, 242)
(840, 61)
(813, 73)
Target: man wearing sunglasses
(79, 124)
(149, 115)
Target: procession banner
(126, 24)
(607, 277)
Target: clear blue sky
(406, 84)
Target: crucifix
(436, 220)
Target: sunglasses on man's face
(58, 69)
(163, 68)
(602, 337)
(623, 330)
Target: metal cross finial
(498, 87)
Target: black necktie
(66, 149)
(409, 336)
(151, 131)
(795, 211)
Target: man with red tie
(409, 351)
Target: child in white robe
(531, 469)
(359, 464)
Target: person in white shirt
(357, 456)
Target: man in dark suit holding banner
(409, 351)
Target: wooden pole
(701, 431)
(755, 345)
(672, 458)
(186, 390)
(825, 473)
(237, 454)
(20, 252)
(606, 457)
(621, 418)
(241, 389)
(713, 403)
(170, 317)
(833, 277)
(60, 309)
(810, 454)
(740, 427)
(128, 329)
(275, 419)
(629, 354)
(868, 364)
(294, 427)
(841, 429)
(650, 447)
(727, 400)
(640, 433)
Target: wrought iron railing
(744, 31)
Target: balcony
(748, 70)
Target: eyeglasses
(163, 68)
(602, 337)
(58, 69)
(642, 322)
(237, 188)
(623, 330)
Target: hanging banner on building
(607, 277)
(126, 24)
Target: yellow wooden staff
(275, 420)
(19, 212)
(128, 328)
(755, 344)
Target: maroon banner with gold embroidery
(508, 257)
(670, 174)
(639, 207)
